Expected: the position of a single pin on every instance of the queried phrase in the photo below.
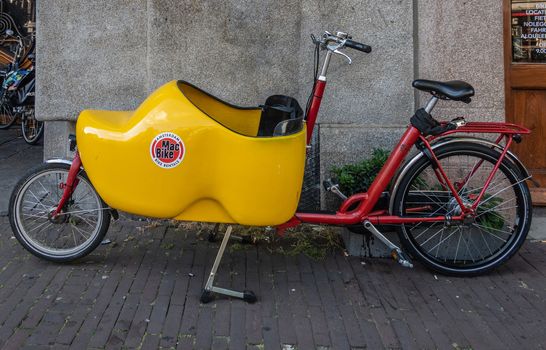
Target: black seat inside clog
(456, 90)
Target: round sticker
(167, 150)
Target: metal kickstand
(396, 253)
(207, 295)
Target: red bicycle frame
(365, 202)
(360, 207)
(70, 185)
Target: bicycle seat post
(431, 104)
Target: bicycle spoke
(431, 249)
(84, 219)
(36, 216)
(479, 189)
(486, 229)
(425, 242)
(417, 237)
(468, 249)
(35, 220)
(73, 235)
(477, 250)
(71, 230)
(498, 207)
(43, 229)
(459, 245)
(38, 201)
(504, 189)
(35, 227)
(485, 241)
(83, 211)
(497, 215)
(33, 209)
(438, 249)
(81, 231)
(432, 214)
(80, 200)
(48, 192)
(35, 204)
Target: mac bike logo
(167, 150)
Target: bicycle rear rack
(487, 128)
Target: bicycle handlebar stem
(325, 64)
(332, 44)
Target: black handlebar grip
(358, 46)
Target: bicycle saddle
(456, 90)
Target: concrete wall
(463, 40)
(111, 54)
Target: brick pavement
(138, 293)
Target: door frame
(518, 76)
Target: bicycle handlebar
(358, 46)
(340, 40)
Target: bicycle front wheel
(75, 232)
(484, 241)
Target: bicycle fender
(509, 154)
(449, 140)
(60, 161)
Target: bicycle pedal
(401, 258)
(330, 186)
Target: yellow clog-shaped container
(186, 155)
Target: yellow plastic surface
(245, 121)
(224, 176)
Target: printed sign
(528, 29)
(167, 150)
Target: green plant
(487, 216)
(355, 178)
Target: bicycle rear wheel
(480, 244)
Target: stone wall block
(90, 54)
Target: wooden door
(525, 83)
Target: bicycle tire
(22, 230)
(35, 138)
(417, 249)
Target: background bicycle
(17, 57)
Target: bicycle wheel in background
(32, 129)
(7, 117)
(481, 243)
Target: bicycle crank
(396, 253)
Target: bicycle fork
(70, 185)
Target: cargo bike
(460, 202)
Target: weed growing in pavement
(313, 241)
